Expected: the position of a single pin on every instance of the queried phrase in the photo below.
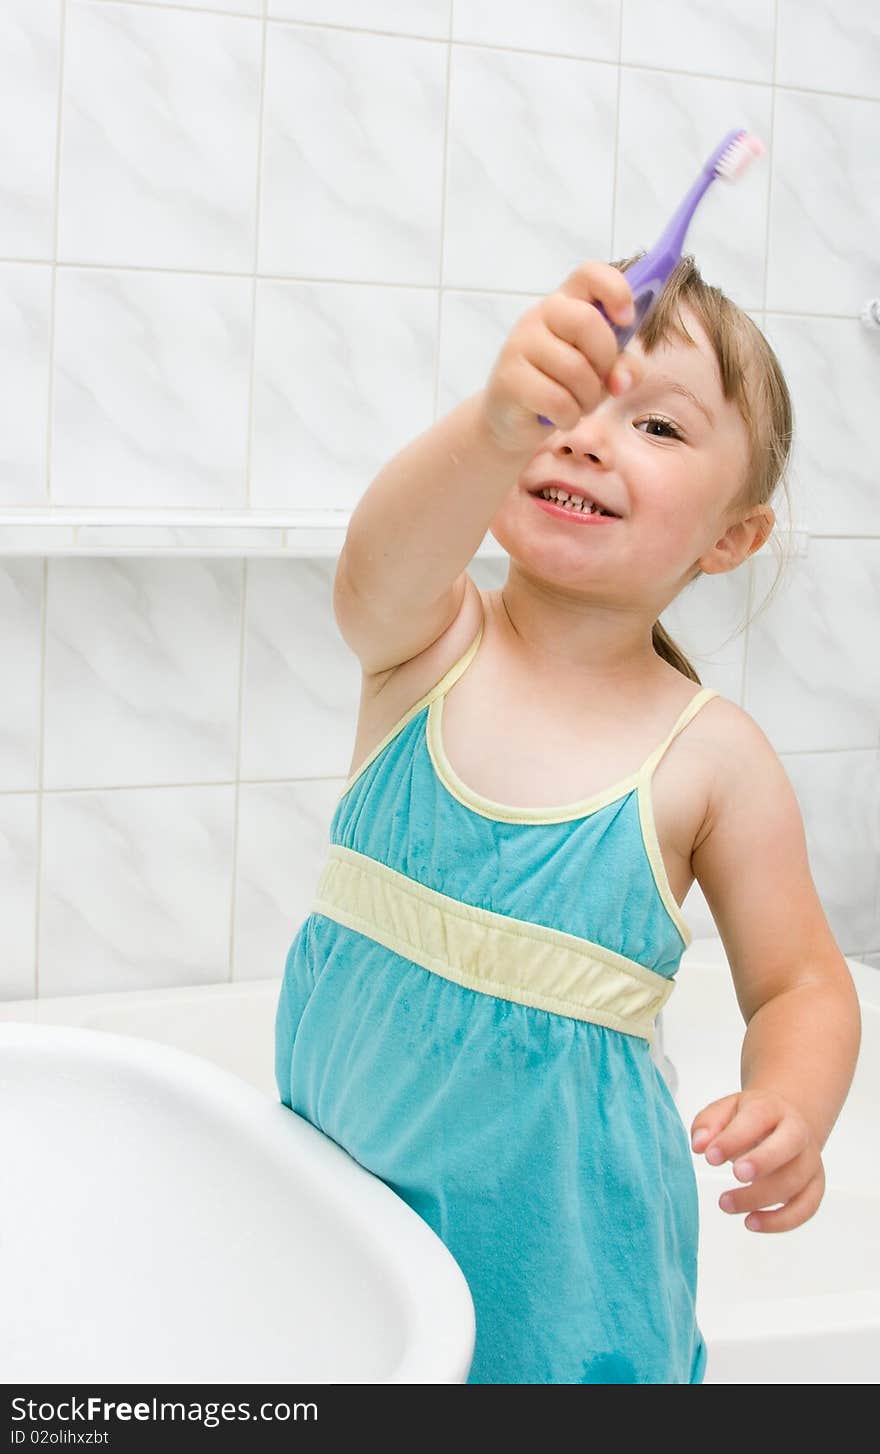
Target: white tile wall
(825, 211)
(343, 378)
(136, 888)
(142, 672)
(160, 112)
(25, 313)
(352, 158)
(151, 384)
(687, 35)
(247, 251)
(530, 143)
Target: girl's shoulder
(752, 862)
(387, 696)
(740, 759)
(410, 680)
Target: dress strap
(442, 687)
(439, 689)
(697, 701)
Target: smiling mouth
(559, 501)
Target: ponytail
(666, 648)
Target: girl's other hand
(560, 358)
(773, 1149)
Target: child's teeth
(573, 502)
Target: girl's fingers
(596, 281)
(778, 1149)
(560, 357)
(754, 1120)
(766, 1191)
(794, 1213)
(627, 372)
(712, 1120)
(546, 396)
(579, 323)
(566, 364)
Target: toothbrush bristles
(736, 157)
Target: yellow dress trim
(640, 778)
(503, 812)
(443, 685)
(646, 814)
(506, 812)
(491, 953)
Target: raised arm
(400, 576)
(414, 532)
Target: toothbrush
(648, 277)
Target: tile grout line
(283, 781)
(295, 280)
(248, 465)
(244, 578)
(244, 575)
(292, 23)
(750, 583)
(438, 287)
(44, 574)
(41, 770)
(53, 264)
(615, 165)
(770, 157)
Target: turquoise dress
(468, 1011)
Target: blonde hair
(751, 377)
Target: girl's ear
(763, 519)
(758, 523)
(739, 541)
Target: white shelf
(178, 533)
(217, 533)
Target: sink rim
(437, 1319)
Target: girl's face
(668, 457)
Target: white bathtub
(794, 1307)
(162, 1221)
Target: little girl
(469, 1007)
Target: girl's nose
(572, 448)
(588, 439)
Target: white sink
(149, 1261)
(162, 1221)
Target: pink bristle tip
(739, 154)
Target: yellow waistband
(493, 953)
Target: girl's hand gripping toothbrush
(648, 276)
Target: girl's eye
(666, 423)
